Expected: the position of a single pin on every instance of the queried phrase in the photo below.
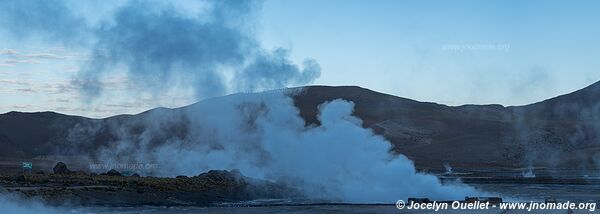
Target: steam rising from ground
(263, 137)
(448, 168)
(212, 50)
(207, 47)
(529, 173)
(13, 204)
(161, 46)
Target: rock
(80, 172)
(222, 176)
(20, 178)
(113, 172)
(61, 168)
(135, 175)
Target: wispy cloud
(21, 61)
(27, 90)
(66, 88)
(14, 82)
(20, 107)
(11, 57)
(8, 52)
(44, 56)
(59, 100)
(60, 88)
(128, 105)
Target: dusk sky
(449, 52)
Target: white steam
(263, 136)
(12, 204)
(529, 173)
(448, 168)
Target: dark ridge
(467, 136)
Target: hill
(555, 133)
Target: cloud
(52, 88)
(44, 56)
(8, 52)
(127, 105)
(47, 88)
(22, 107)
(14, 82)
(14, 58)
(60, 100)
(14, 62)
(27, 90)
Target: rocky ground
(114, 189)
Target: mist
(213, 50)
(14, 204)
(202, 48)
(263, 136)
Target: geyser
(263, 136)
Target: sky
(102, 58)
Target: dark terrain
(113, 189)
(565, 128)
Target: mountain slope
(563, 129)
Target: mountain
(556, 133)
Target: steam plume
(158, 46)
(264, 137)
